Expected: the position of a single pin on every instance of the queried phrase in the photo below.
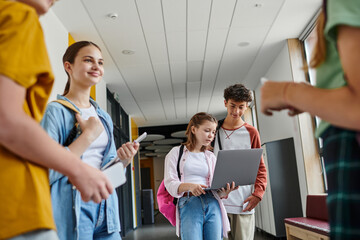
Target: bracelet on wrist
(285, 99)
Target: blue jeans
(93, 222)
(200, 218)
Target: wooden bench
(314, 226)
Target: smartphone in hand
(116, 159)
(141, 137)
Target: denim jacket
(58, 121)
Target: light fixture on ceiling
(179, 134)
(153, 137)
(154, 147)
(243, 44)
(113, 15)
(128, 52)
(168, 141)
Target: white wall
(56, 37)
(280, 125)
(101, 95)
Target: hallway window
(309, 44)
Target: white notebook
(116, 174)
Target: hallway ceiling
(183, 53)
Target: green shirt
(330, 75)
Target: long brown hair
(196, 121)
(319, 54)
(70, 55)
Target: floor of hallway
(162, 230)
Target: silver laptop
(238, 165)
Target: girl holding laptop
(200, 213)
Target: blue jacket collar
(91, 101)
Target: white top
(172, 181)
(94, 154)
(235, 139)
(196, 169)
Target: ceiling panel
(192, 98)
(210, 72)
(122, 33)
(169, 106)
(196, 43)
(256, 13)
(221, 14)
(150, 112)
(165, 89)
(179, 90)
(208, 81)
(126, 98)
(215, 44)
(185, 51)
(162, 74)
(232, 71)
(176, 43)
(127, 21)
(216, 103)
(157, 48)
(175, 13)
(180, 105)
(198, 15)
(194, 70)
(178, 72)
(151, 17)
(137, 44)
(193, 91)
(143, 76)
(254, 36)
(203, 104)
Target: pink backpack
(166, 202)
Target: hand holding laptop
(193, 188)
(223, 193)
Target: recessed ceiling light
(128, 52)
(112, 15)
(243, 44)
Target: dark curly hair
(238, 93)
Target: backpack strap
(219, 141)
(178, 168)
(74, 130)
(178, 162)
(220, 123)
(67, 104)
